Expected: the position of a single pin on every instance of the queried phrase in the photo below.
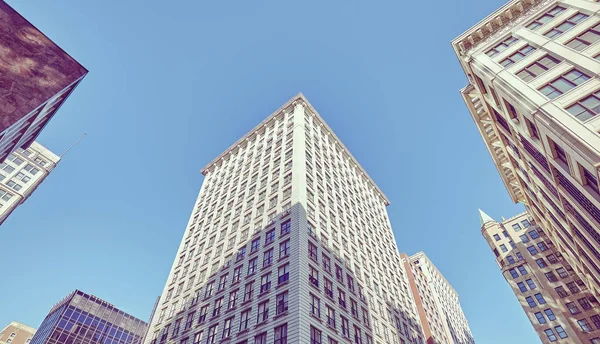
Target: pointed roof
(484, 218)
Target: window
(519, 255)
(561, 332)
(562, 272)
(503, 248)
(596, 321)
(232, 299)
(339, 274)
(564, 83)
(516, 227)
(280, 334)
(496, 237)
(198, 337)
(586, 108)
(551, 276)
(315, 306)
(517, 56)
(286, 227)
(270, 237)
(268, 258)
(585, 39)
(244, 319)
(328, 288)
(326, 263)
(345, 327)
(248, 291)
(561, 291)
(357, 335)
(585, 304)
(572, 306)
(540, 317)
(261, 338)
(284, 249)
(209, 289)
(573, 288)
(217, 308)
(265, 283)
(281, 303)
(237, 273)
(510, 259)
(525, 223)
(534, 234)
(255, 245)
(560, 153)
(176, 327)
(524, 238)
(312, 251)
(283, 273)
(189, 321)
(537, 68)
(263, 312)
(212, 332)
(505, 234)
(546, 17)
(252, 266)
(522, 270)
(566, 25)
(540, 298)
(313, 277)
(222, 282)
(342, 297)
(530, 301)
(203, 312)
(541, 262)
(590, 180)
(330, 317)
(315, 335)
(550, 335)
(549, 314)
(530, 284)
(513, 273)
(522, 287)
(500, 47)
(227, 328)
(552, 258)
(585, 325)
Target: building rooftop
(297, 98)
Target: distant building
(437, 303)
(21, 174)
(16, 333)
(83, 318)
(554, 297)
(36, 77)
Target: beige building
(437, 303)
(288, 242)
(16, 333)
(21, 173)
(534, 95)
(552, 294)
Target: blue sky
(172, 84)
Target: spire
(484, 218)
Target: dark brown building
(36, 77)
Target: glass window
(561, 332)
(500, 47)
(517, 56)
(537, 68)
(551, 335)
(540, 317)
(585, 39)
(564, 83)
(566, 25)
(530, 283)
(522, 287)
(546, 17)
(549, 314)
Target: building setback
(533, 94)
(21, 174)
(16, 333)
(288, 242)
(437, 303)
(81, 318)
(36, 77)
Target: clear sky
(174, 83)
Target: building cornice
(496, 24)
(299, 98)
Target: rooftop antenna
(73, 145)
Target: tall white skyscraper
(21, 174)
(288, 242)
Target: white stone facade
(21, 173)
(287, 201)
